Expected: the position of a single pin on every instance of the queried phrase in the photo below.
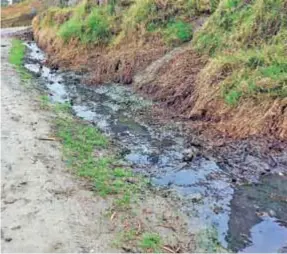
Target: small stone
(189, 154)
(272, 213)
(15, 118)
(196, 197)
(16, 227)
(9, 201)
(8, 239)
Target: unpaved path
(44, 208)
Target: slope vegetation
(115, 40)
(230, 74)
(234, 77)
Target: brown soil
(180, 79)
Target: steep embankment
(232, 77)
(117, 40)
(239, 83)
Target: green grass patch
(246, 42)
(151, 242)
(89, 154)
(145, 241)
(16, 57)
(120, 21)
(177, 33)
(93, 27)
(232, 97)
(17, 53)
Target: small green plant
(207, 241)
(71, 29)
(44, 102)
(125, 237)
(232, 97)
(62, 107)
(92, 28)
(97, 27)
(177, 32)
(254, 62)
(274, 71)
(151, 242)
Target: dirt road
(43, 207)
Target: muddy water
(251, 218)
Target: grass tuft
(178, 32)
(151, 242)
(92, 27)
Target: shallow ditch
(246, 218)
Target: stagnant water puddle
(250, 218)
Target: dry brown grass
(20, 14)
(189, 86)
(117, 63)
(188, 83)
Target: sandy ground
(43, 207)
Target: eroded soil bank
(235, 189)
(226, 74)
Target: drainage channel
(249, 218)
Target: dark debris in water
(206, 179)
